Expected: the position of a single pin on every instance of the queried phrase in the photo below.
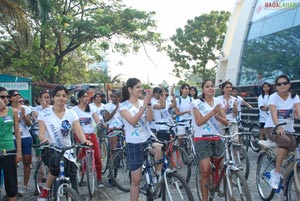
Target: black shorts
(262, 125)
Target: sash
(56, 134)
(212, 123)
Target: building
(263, 36)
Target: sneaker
(23, 189)
(100, 184)
(110, 183)
(274, 179)
(44, 195)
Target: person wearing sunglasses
(284, 107)
(26, 139)
(8, 122)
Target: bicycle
(266, 162)
(86, 165)
(238, 154)
(235, 185)
(119, 172)
(178, 157)
(250, 134)
(169, 185)
(62, 190)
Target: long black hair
(131, 82)
(270, 89)
(224, 84)
(79, 95)
(182, 87)
(196, 94)
(293, 94)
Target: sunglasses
(282, 83)
(21, 101)
(44, 92)
(2, 97)
(14, 95)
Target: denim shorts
(26, 144)
(207, 148)
(135, 155)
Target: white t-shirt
(24, 130)
(86, 119)
(285, 111)
(152, 124)
(140, 132)
(184, 104)
(64, 125)
(162, 115)
(229, 112)
(100, 110)
(116, 120)
(212, 125)
(263, 101)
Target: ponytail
(131, 82)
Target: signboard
(15, 85)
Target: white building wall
(228, 67)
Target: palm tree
(12, 12)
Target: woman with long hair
(26, 138)
(207, 115)
(55, 125)
(284, 108)
(264, 108)
(136, 115)
(9, 123)
(87, 115)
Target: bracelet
(149, 104)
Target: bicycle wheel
(90, 172)
(40, 176)
(236, 187)
(255, 137)
(104, 151)
(241, 159)
(175, 188)
(119, 171)
(290, 191)
(182, 163)
(67, 194)
(265, 163)
(297, 177)
(198, 185)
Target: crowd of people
(138, 114)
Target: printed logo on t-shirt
(65, 128)
(284, 114)
(85, 121)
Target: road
(113, 194)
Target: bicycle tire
(290, 190)
(255, 137)
(90, 172)
(119, 171)
(179, 189)
(183, 163)
(239, 187)
(264, 166)
(242, 160)
(68, 194)
(37, 182)
(297, 177)
(104, 154)
(198, 185)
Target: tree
(67, 34)
(198, 45)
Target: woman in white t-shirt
(55, 124)
(230, 105)
(284, 107)
(136, 116)
(263, 106)
(87, 116)
(183, 109)
(207, 115)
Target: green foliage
(73, 30)
(198, 45)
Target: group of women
(207, 114)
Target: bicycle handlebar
(60, 149)
(281, 124)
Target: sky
(170, 15)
